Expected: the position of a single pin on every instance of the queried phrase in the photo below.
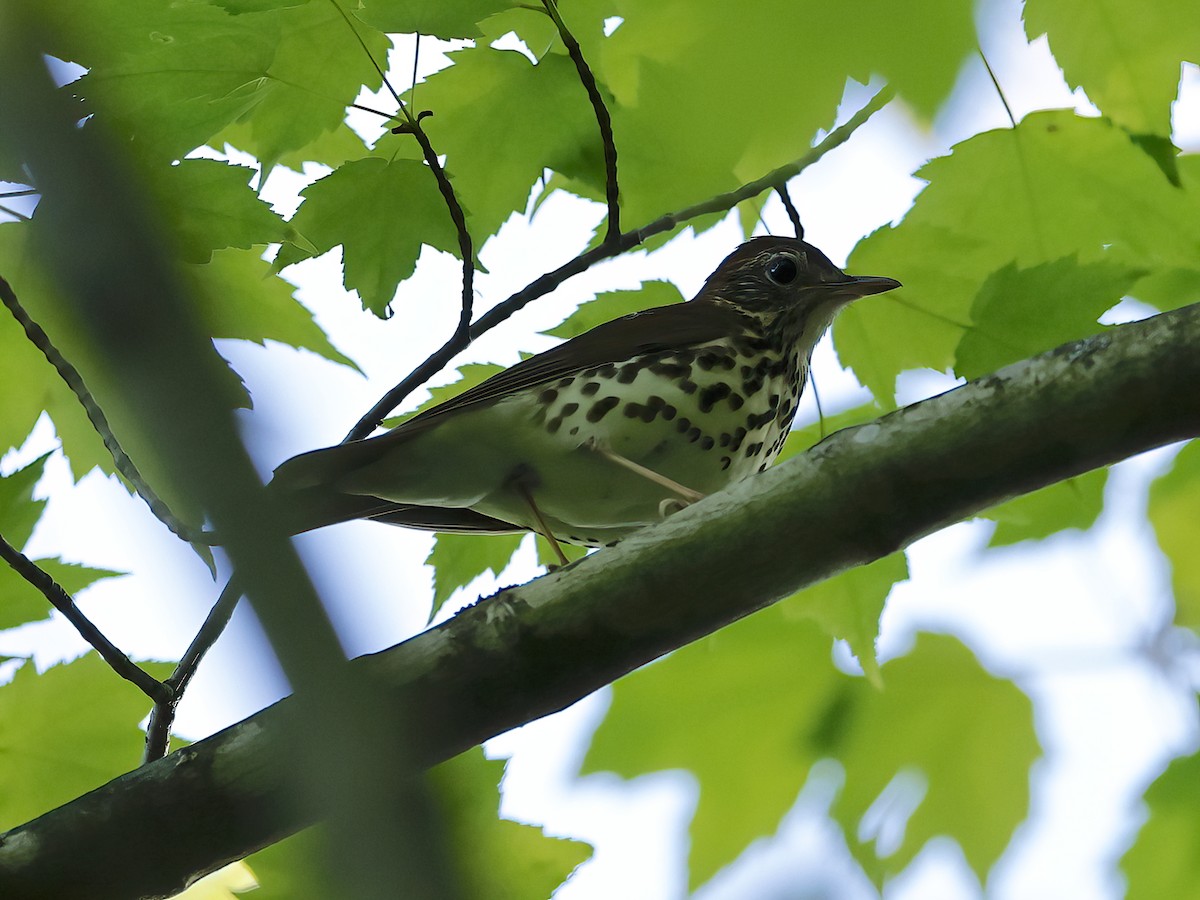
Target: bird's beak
(865, 285)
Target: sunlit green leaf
(1124, 53)
(458, 559)
(1021, 312)
(489, 98)
(1056, 186)
(381, 213)
(66, 731)
(19, 512)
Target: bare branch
(95, 414)
(61, 600)
(612, 193)
(782, 190)
(158, 730)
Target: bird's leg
(539, 521)
(670, 484)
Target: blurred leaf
(237, 7)
(1074, 503)
(750, 694)
(848, 606)
(614, 304)
(35, 386)
(65, 732)
(1174, 501)
(506, 860)
(1057, 185)
(458, 559)
(969, 735)
(1021, 312)
(226, 883)
(1125, 53)
(291, 869)
(1164, 862)
(28, 384)
(381, 213)
(764, 692)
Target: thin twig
(612, 192)
(158, 730)
(7, 210)
(627, 240)
(782, 190)
(61, 600)
(99, 421)
(460, 339)
(22, 192)
(999, 90)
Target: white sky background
(1078, 619)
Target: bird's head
(769, 276)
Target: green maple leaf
(1125, 53)
(380, 212)
(1057, 185)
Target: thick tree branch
(529, 651)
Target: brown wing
(650, 331)
(662, 328)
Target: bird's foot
(671, 505)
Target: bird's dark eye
(782, 269)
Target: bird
(609, 432)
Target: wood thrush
(609, 432)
